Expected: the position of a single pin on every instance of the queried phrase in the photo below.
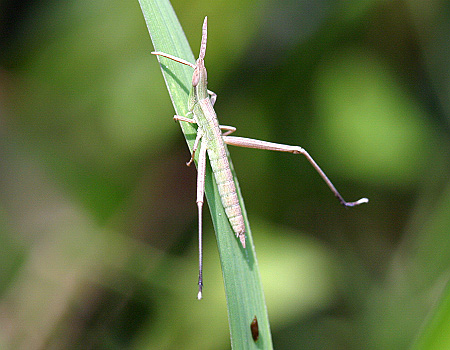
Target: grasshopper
(210, 139)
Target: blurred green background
(98, 221)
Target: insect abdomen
(227, 190)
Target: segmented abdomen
(227, 189)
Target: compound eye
(195, 77)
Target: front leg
(212, 96)
(252, 143)
(228, 129)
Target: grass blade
(244, 294)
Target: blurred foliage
(97, 210)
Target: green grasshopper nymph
(211, 140)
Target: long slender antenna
(204, 39)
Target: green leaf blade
(243, 289)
